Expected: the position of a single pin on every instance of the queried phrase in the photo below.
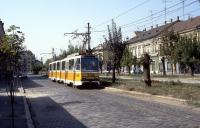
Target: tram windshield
(89, 64)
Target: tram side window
(78, 64)
(50, 67)
(54, 66)
(63, 65)
(71, 64)
(58, 65)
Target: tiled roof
(192, 23)
(177, 26)
(144, 35)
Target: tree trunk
(134, 69)
(191, 69)
(172, 69)
(146, 65)
(129, 70)
(118, 70)
(113, 74)
(163, 63)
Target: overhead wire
(159, 16)
(123, 13)
(141, 18)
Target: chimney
(151, 27)
(178, 18)
(156, 25)
(165, 22)
(171, 20)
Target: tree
(188, 52)
(127, 59)
(46, 64)
(135, 63)
(146, 65)
(12, 47)
(37, 67)
(168, 49)
(72, 49)
(64, 53)
(115, 46)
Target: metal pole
(89, 36)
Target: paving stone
(54, 105)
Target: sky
(44, 22)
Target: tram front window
(89, 64)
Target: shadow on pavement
(46, 113)
(29, 83)
(19, 112)
(94, 86)
(91, 86)
(37, 77)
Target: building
(102, 53)
(149, 41)
(27, 61)
(188, 27)
(2, 32)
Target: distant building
(27, 61)
(150, 41)
(2, 32)
(102, 52)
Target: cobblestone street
(54, 105)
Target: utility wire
(139, 20)
(142, 20)
(152, 14)
(161, 16)
(123, 13)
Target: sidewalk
(20, 119)
(191, 80)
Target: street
(54, 105)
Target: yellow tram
(75, 69)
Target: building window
(169, 67)
(153, 66)
(161, 67)
(139, 50)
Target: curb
(27, 110)
(155, 98)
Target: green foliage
(64, 53)
(46, 64)
(37, 67)
(12, 46)
(115, 46)
(169, 40)
(188, 51)
(72, 49)
(182, 49)
(127, 59)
